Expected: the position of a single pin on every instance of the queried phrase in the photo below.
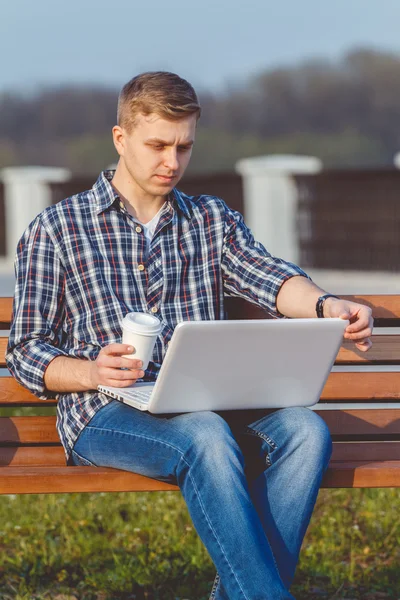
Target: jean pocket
(264, 446)
(79, 461)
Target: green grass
(143, 546)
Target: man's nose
(171, 159)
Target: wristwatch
(319, 308)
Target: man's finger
(364, 345)
(117, 349)
(118, 362)
(121, 375)
(358, 335)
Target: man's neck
(140, 205)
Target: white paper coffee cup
(140, 330)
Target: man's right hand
(113, 369)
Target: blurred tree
(347, 113)
(219, 151)
(90, 153)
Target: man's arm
(33, 354)
(280, 287)
(298, 297)
(65, 374)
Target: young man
(135, 243)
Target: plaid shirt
(81, 266)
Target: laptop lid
(228, 365)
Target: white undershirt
(150, 227)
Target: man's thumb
(346, 316)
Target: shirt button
(154, 309)
(138, 229)
(141, 267)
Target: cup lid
(143, 323)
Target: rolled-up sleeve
(249, 270)
(38, 308)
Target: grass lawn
(143, 546)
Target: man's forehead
(156, 126)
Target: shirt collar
(105, 195)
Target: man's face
(156, 152)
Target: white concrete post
(26, 194)
(270, 199)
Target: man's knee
(209, 436)
(312, 435)
(301, 429)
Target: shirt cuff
(28, 363)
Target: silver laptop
(228, 365)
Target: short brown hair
(160, 92)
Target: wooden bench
(360, 404)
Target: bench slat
(5, 312)
(384, 306)
(44, 480)
(365, 422)
(362, 474)
(385, 349)
(28, 430)
(41, 430)
(53, 456)
(13, 394)
(45, 456)
(340, 386)
(364, 451)
(362, 386)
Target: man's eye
(184, 148)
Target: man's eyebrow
(154, 140)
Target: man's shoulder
(69, 208)
(201, 202)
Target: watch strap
(319, 308)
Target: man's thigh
(122, 437)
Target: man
(135, 243)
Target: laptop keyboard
(142, 395)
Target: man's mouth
(166, 178)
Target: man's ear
(118, 139)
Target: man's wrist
(67, 374)
(323, 305)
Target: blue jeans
(250, 485)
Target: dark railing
(226, 185)
(349, 220)
(345, 219)
(2, 221)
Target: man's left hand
(361, 323)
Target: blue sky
(213, 43)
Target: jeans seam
(210, 526)
(249, 431)
(263, 436)
(83, 459)
(214, 587)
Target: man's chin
(161, 190)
